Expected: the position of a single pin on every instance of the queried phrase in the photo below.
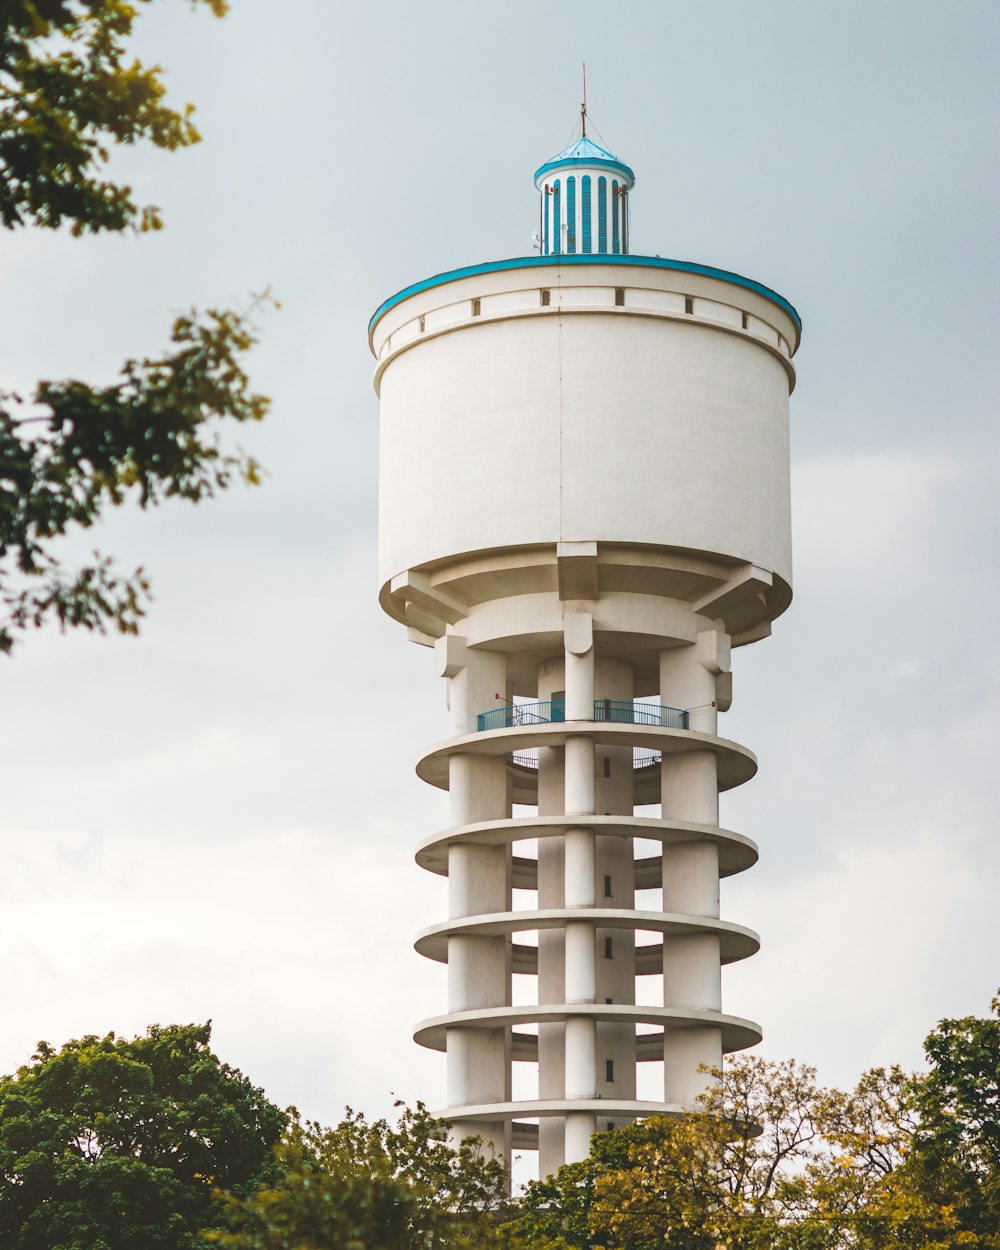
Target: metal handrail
(642, 758)
(607, 711)
(524, 759)
(626, 712)
(511, 715)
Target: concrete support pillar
(479, 968)
(580, 884)
(579, 776)
(580, 1128)
(579, 643)
(689, 675)
(475, 679)
(580, 870)
(551, 942)
(581, 962)
(690, 792)
(684, 1051)
(615, 882)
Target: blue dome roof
(585, 152)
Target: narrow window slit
(619, 297)
(476, 307)
(546, 298)
(688, 304)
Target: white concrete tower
(584, 504)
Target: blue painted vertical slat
(624, 199)
(556, 217)
(615, 197)
(602, 214)
(585, 192)
(571, 214)
(546, 204)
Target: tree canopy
(112, 1144)
(957, 1143)
(70, 94)
(773, 1161)
(375, 1186)
(109, 1144)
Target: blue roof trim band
(534, 262)
(576, 161)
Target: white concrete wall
(619, 428)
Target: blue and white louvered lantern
(584, 201)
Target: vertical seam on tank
(559, 364)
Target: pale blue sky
(218, 819)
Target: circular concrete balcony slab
(735, 941)
(736, 852)
(542, 1108)
(737, 1033)
(736, 764)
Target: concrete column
(581, 1058)
(691, 970)
(579, 776)
(580, 887)
(475, 679)
(551, 942)
(690, 792)
(615, 882)
(689, 675)
(580, 869)
(580, 1128)
(581, 962)
(479, 968)
(579, 645)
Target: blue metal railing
(642, 758)
(625, 712)
(617, 711)
(513, 714)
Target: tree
(114, 1144)
(68, 95)
(957, 1144)
(726, 1175)
(371, 1186)
(772, 1161)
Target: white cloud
(867, 523)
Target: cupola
(584, 201)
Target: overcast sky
(218, 819)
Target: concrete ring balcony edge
(736, 763)
(737, 1033)
(737, 852)
(544, 1107)
(736, 942)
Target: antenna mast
(583, 106)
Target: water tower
(584, 507)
